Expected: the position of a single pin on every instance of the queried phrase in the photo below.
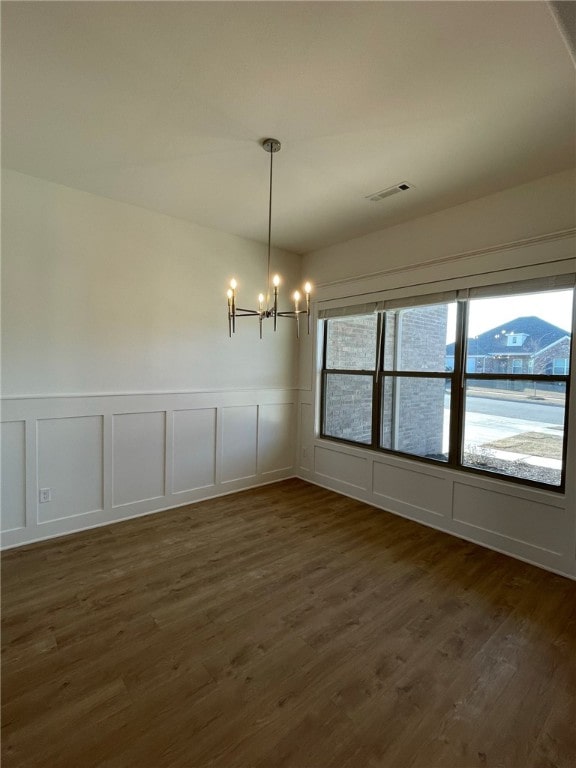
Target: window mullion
(377, 385)
(457, 394)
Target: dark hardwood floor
(284, 626)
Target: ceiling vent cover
(384, 193)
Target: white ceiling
(163, 104)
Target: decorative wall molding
(548, 237)
(528, 523)
(110, 458)
(144, 393)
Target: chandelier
(266, 308)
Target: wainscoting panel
(239, 442)
(13, 447)
(106, 458)
(139, 457)
(528, 523)
(70, 454)
(419, 490)
(194, 454)
(306, 433)
(520, 520)
(346, 469)
(275, 437)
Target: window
(440, 382)
(349, 378)
(560, 366)
(414, 388)
(516, 366)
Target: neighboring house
(553, 359)
(526, 345)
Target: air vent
(384, 193)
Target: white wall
(543, 206)
(100, 296)
(519, 233)
(122, 392)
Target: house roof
(163, 105)
(539, 334)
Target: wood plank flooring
(285, 626)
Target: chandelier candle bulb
(229, 295)
(296, 297)
(275, 309)
(232, 307)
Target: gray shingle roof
(539, 334)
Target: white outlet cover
(45, 495)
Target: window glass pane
(416, 416)
(519, 334)
(561, 366)
(420, 338)
(351, 343)
(348, 407)
(515, 428)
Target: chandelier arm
(292, 313)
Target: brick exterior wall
(348, 402)
(352, 343)
(348, 408)
(531, 358)
(415, 422)
(544, 360)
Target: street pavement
(489, 420)
(549, 412)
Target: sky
(553, 306)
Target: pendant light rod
(271, 146)
(269, 232)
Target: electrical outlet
(45, 495)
